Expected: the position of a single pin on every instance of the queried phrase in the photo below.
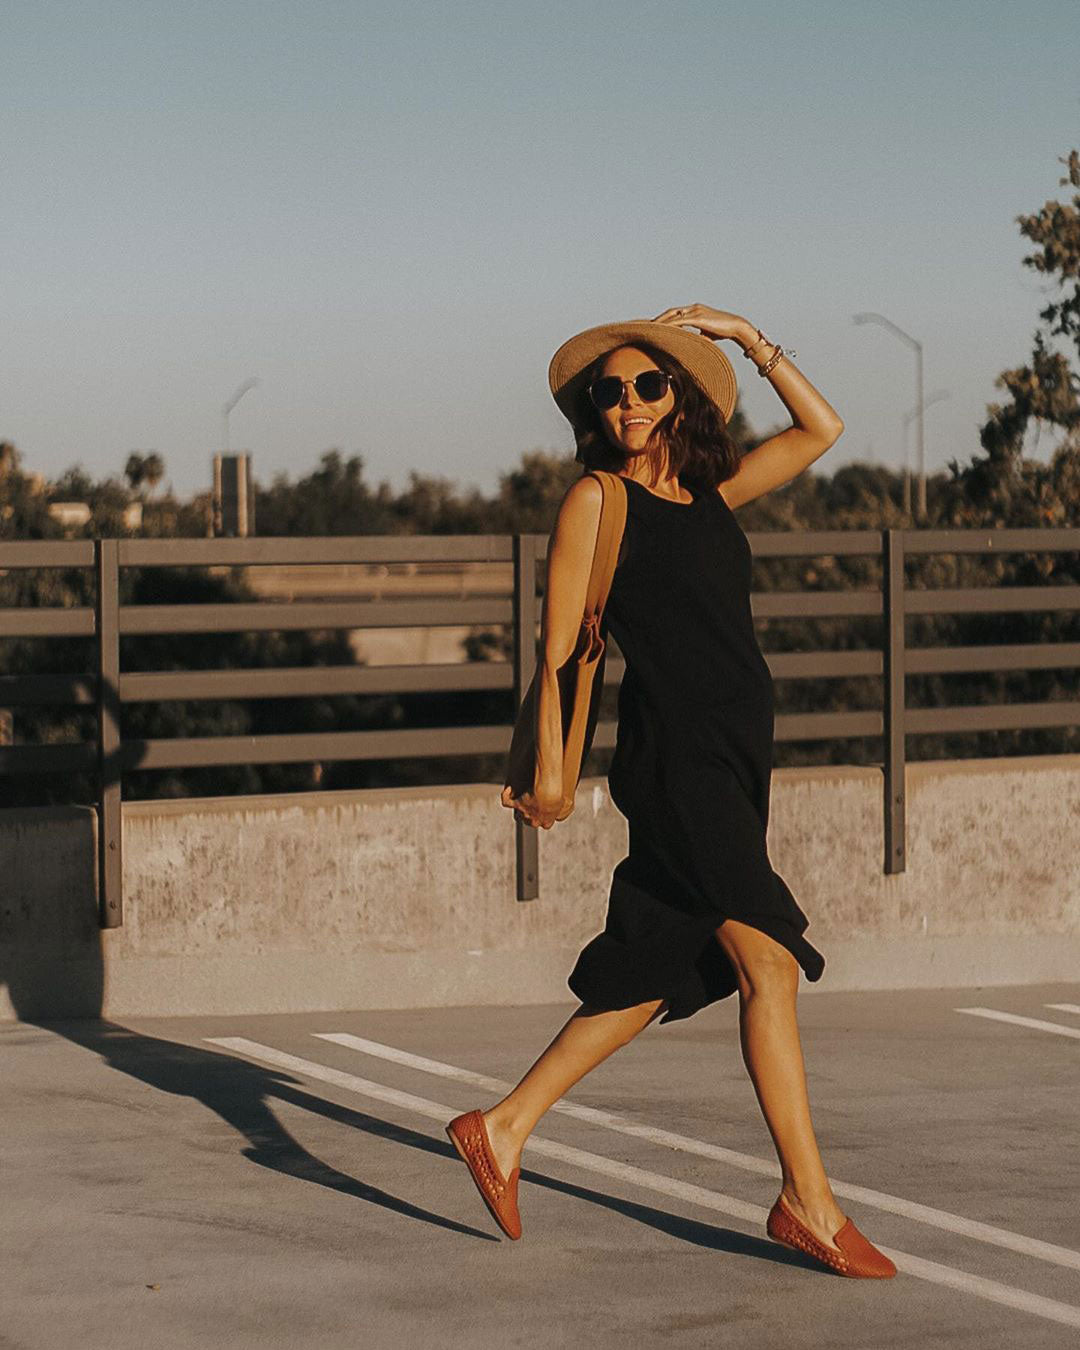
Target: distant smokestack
(234, 496)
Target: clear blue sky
(393, 213)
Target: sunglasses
(651, 387)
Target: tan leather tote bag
(581, 677)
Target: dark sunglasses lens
(651, 385)
(606, 391)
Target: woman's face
(630, 423)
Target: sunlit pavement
(285, 1181)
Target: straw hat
(701, 358)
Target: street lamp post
(227, 409)
(916, 413)
(919, 402)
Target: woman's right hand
(539, 808)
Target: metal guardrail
(107, 687)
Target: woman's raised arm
(815, 423)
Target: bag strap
(608, 541)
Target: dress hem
(708, 977)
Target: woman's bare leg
(768, 978)
(587, 1038)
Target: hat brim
(702, 360)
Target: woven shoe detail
(857, 1258)
(469, 1136)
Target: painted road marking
(894, 1204)
(932, 1271)
(1036, 1023)
(1064, 1007)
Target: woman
(696, 910)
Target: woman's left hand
(713, 323)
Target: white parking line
(1036, 1023)
(1020, 1299)
(893, 1204)
(1064, 1007)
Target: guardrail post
(526, 614)
(892, 594)
(107, 629)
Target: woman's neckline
(670, 500)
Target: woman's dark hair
(701, 451)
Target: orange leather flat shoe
(857, 1258)
(469, 1136)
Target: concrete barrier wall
(405, 897)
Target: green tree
(333, 499)
(1044, 393)
(24, 509)
(140, 469)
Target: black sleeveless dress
(692, 765)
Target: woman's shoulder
(578, 518)
(583, 500)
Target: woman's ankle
(508, 1122)
(809, 1197)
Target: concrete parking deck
(285, 1181)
